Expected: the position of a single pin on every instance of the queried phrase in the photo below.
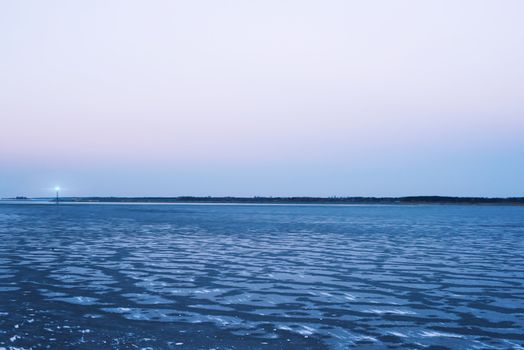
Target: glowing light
(57, 188)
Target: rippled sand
(261, 277)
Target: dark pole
(57, 197)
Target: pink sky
(208, 94)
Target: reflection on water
(261, 277)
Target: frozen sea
(261, 277)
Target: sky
(262, 97)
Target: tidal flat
(207, 276)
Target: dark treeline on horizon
(305, 200)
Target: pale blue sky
(269, 97)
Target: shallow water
(261, 277)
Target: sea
(226, 276)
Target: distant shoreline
(292, 200)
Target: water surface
(261, 277)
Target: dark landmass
(305, 200)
